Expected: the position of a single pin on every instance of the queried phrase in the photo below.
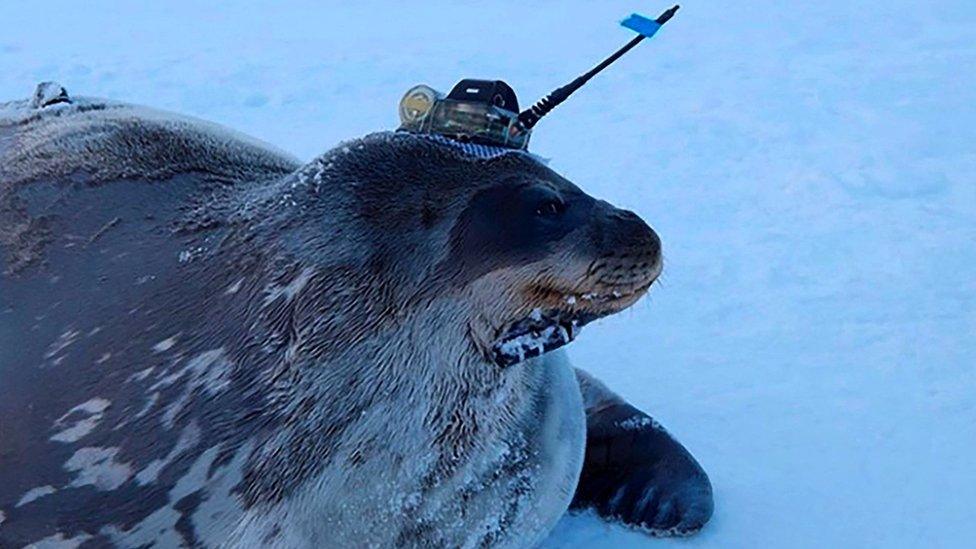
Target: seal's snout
(630, 257)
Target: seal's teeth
(572, 299)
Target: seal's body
(203, 342)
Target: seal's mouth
(555, 325)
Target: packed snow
(810, 167)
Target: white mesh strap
(478, 150)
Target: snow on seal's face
(530, 254)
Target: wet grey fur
(204, 342)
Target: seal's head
(529, 255)
(543, 258)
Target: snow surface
(810, 167)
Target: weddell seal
(204, 342)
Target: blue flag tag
(641, 25)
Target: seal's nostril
(654, 245)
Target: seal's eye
(550, 207)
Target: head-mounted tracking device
(486, 112)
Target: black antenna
(529, 117)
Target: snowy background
(810, 166)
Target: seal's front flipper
(635, 472)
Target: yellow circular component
(417, 103)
